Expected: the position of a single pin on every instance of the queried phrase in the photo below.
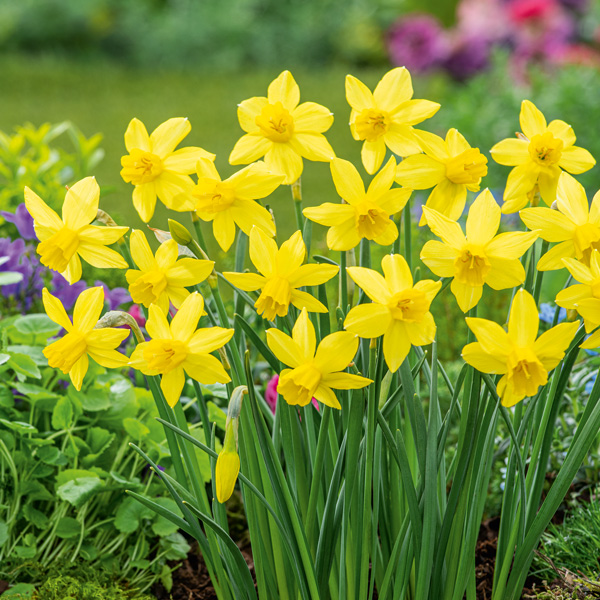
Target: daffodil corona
(155, 168)
(450, 166)
(177, 348)
(70, 353)
(385, 118)
(282, 130)
(574, 225)
(538, 156)
(232, 202)
(63, 242)
(281, 274)
(314, 370)
(162, 279)
(365, 215)
(523, 360)
(399, 311)
(481, 257)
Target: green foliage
(37, 157)
(65, 464)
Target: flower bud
(228, 465)
(179, 233)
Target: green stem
(198, 229)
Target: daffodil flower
(399, 311)
(450, 166)
(314, 370)
(385, 117)
(282, 130)
(71, 353)
(227, 468)
(232, 202)
(63, 242)
(481, 257)
(538, 156)
(365, 214)
(178, 348)
(281, 274)
(162, 278)
(523, 360)
(574, 225)
(155, 168)
(584, 297)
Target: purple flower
(64, 291)
(22, 220)
(469, 56)
(416, 42)
(115, 297)
(21, 259)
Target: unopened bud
(179, 233)
(105, 218)
(228, 466)
(118, 318)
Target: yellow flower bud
(228, 465)
(179, 233)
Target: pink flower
(136, 313)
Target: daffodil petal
(284, 348)
(421, 333)
(247, 282)
(310, 116)
(157, 325)
(433, 145)
(447, 198)
(358, 95)
(420, 172)
(439, 257)
(209, 339)
(249, 148)
(144, 200)
(382, 182)
(290, 256)
(92, 234)
(532, 120)
(136, 136)
(343, 236)
(572, 199)
(551, 346)
(304, 300)
(55, 310)
(372, 283)
(312, 146)
(140, 251)
(184, 323)
(510, 245)
(521, 180)
(576, 160)
(41, 213)
(372, 155)
(580, 272)
(396, 345)
(224, 230)
(483, 219)
(284, 160)
(73, 271)
(303, 333)
(562, 131)
(166, 136)
(263, 252)
(548, 182)
(511, 152)
(467, 296)
(397, 272)
(172, 384)
(345, 381)
(206, 369)
(394, 200)
(401, 139)
(88, 308)
(81, 203)
(523, 322)
(330, 214)
(388, 235)
(474, 355)
(505, 273)
(184, 160)
(571, 296)
(368, 320)
(335, 352)
(312, 275)
(248, 110)
(491, 337)
(284, 89)
(553, 225)
(347, 181)
(552, 260)
(394, 88)
(446, 229)
(78, 371)
(248, 214)
(325, 395)
(101, 256)
(412, 112)
(189, 271)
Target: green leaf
(129, 515)
(67, 528)
(216, 415)
(98, 441)
(162, 527)
(62, 415)
(10, 277)
(71, 474)
(22, 552)
(176, 547)
(34, 490)
(35, 516)
(4, 358)
(24, 365)
(80, 490)
(36, 324)
(3, 533)
(93, 399)
(36, 353)
(34, 392)
(21, 591)
(135, 428)
(19, 426)
(51, 455)
(166, 578)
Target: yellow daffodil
(365, 214)
(386, 116)
(314, 370)
(538, 155)
(584, 297)
(479, 257)
(70, 353)
(155, 168)
(281, 274)
(162, 278)
(450, 166)
(399, 311)
(64, 241)
(232, 202)
(282, 130)
(177, 349)
(574, 225)
(523, 360)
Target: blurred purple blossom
(22, 220)
(115, 297)
(65, 292)
(469, 56)
(417, 42)
(21, 259)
